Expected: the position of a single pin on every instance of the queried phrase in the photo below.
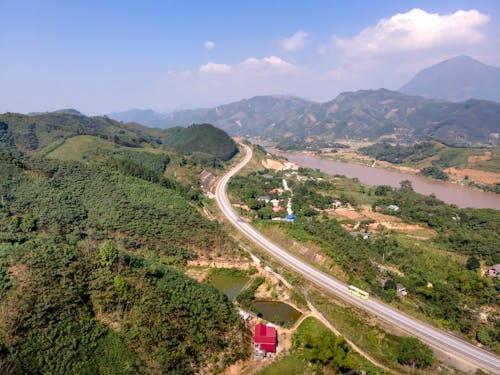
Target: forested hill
(93, 239)
(41, 134)
(360, 115)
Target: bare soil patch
(272, 164)
(481, 177)
(474, 159)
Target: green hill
(93, 239)
(42, 134)
(203, 139)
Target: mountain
(360, 115)
(457, 79)
(141, 116)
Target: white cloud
(417, 30)
(209, 44)
(214, 68)
(274, 63)
(295, 41)
(267, 65)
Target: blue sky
(104, 56)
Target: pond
(230, 285)
(279, 313)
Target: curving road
(432, 336)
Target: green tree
(109, 253)
(121, 287)
(414, 353)
(473, 263)
(28, 223)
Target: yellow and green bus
(358, 292)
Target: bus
(358, 292)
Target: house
(393, 207)
(277, 208)
(494, 271)
(336, 203)
(275, 202)
(244, 315)
(291, 217)
(272, 191)
(401, 290)
(264, 340)
(206, 178)
(264, 198)
(363, 235)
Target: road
(434, 337)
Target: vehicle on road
(358, 292)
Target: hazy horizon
(168, 56)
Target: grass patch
(382, 346)
(235, 272)
(293, 364)
(323, 348)
(82, 147)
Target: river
(451, 193)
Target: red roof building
(265, 338)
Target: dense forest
(444, 274)
(90, 259)
(400, 154)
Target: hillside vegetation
(43, 134)
(92, 245)
(437, 160)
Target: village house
(206, 178)
(265, 198)
(401, 290)
(265, 340)
(336, 203)
(393, 207)
(275, 202)
(494, 271)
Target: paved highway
(432, 336)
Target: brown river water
(448, 192)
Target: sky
(106, 56)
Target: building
(264, 198)
(206, 178)
(275, 202)
(401, 290)
(265, 340)
(336, 203)
(494, 271)
(393, 207)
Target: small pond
(231, 286)
(276, 312)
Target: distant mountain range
(456, 79)
(360, 115)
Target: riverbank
(449, 192)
